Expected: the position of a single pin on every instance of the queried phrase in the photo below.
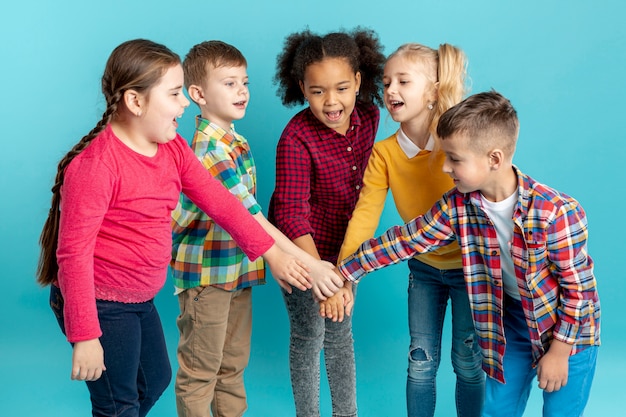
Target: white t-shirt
(501, 214)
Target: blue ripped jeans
(309, 334)
(135, 355)
(429, 291)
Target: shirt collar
(212, 130)
(409, 148)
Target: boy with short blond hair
(524, 246)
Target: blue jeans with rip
(429, 291)
(309, 334)
(509, 399)
(135, 355)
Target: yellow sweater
(415, 183)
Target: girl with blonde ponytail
(420, 84)
(107, 242)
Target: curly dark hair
(360, 47)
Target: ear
(496, 158)
(196, 94)
(357, 76)
(301, 84)
(435, 92)
(135, 102)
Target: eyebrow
(339, 83)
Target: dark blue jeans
(429, 291)
(135, 355)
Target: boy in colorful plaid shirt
(530, 280)
(212, 275)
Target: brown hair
(213, 53)
(446, 66)
(485, 118)
(138, 65)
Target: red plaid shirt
(319, 174)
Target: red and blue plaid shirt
(319, 174)
(549, 250)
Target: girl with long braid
(107, 241)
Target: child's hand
(325, 280)
(340, 303)
(87, 360)
(287, 270)
(553, 367)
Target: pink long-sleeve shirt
(115, 233)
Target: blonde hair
(446, 69)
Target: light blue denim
(509, 399)
(429, 291)
(309, 334)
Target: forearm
(302, 248)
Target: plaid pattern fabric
(549, 250)
(319, 174)
(204, 253)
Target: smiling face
(164, 103)
(408, 90)
(224, 95)
(331, 86)
(469, 168)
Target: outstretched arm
(324, 282)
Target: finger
(349, 307)
(339, 312)
(284, 285)
(323, 310)
(303, 278)
(303, 265)
(296, 280)
(318, 293)
(337, 280)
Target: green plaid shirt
(203, 253)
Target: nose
(331, 98)
(446, 168)
(184, 101)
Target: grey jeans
(311, 333)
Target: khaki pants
(215, 328)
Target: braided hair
(136, 64)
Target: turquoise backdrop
(560, 62)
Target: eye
(386, 85)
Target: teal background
(561, 64)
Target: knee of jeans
(422, 365)
(467, 359)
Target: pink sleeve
(222, 206)
(82, 212)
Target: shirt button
(358, 187)
(353, 167)
(349, 149)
